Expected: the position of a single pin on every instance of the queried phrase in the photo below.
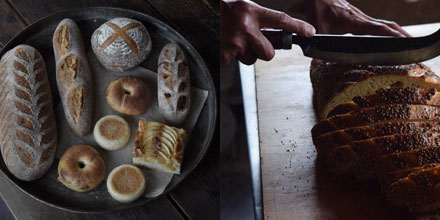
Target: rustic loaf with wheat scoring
(335, 83)
(121, 44)
(173, 85)
(74, 79)
(28, 131)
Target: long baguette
(74, 78)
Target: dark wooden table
(198, 196)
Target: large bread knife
(360, 49)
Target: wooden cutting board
(295, 185)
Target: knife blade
(376, 50)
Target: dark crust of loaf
(419, 190)
(348, 156)
(329, 78)
(371, 115)
(326, 142)
(384, 164)
(390, 96)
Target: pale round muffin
(111, 132)
(128, 95)
(81, 168)
(121, 44)
(126, 183)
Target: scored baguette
(372, 115)
(28, 130)
(328, 141)
(74, 79)
(343, 159)
(335, 83)
(390, 96)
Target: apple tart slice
(158, 146)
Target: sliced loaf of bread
(334, 84)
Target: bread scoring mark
(75, 102)
(168, 80)
(25, 155)
(121, 33)
(21, 54)
(62, 43)
(67, 70)
(20, 67)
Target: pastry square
(158, 146)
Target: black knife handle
(280, 39)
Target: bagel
(128, 95)
(111, 132)
(126, 183)
(81, 168)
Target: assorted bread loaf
(121, 44)
(28, 128)
(73, 75)
(381, 122)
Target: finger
(395, 26)
(275, 19)
(261, 46)
(227, 55)
(375, 28)
(247, 57)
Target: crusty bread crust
(28, 131)
(328, 141)
(390, 96)
(419, 190)
(384, 164)
(343, 159)
(371, 115)
(74, 79)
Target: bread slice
(384, 164)
(372, 115)
(388, 179)
(390, 96)
(420, 190)
(334, 84)
(343, 159)
(326, 142)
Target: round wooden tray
(39, 35)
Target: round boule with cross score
(121, 44)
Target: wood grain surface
(197, 197)
(295, 185)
